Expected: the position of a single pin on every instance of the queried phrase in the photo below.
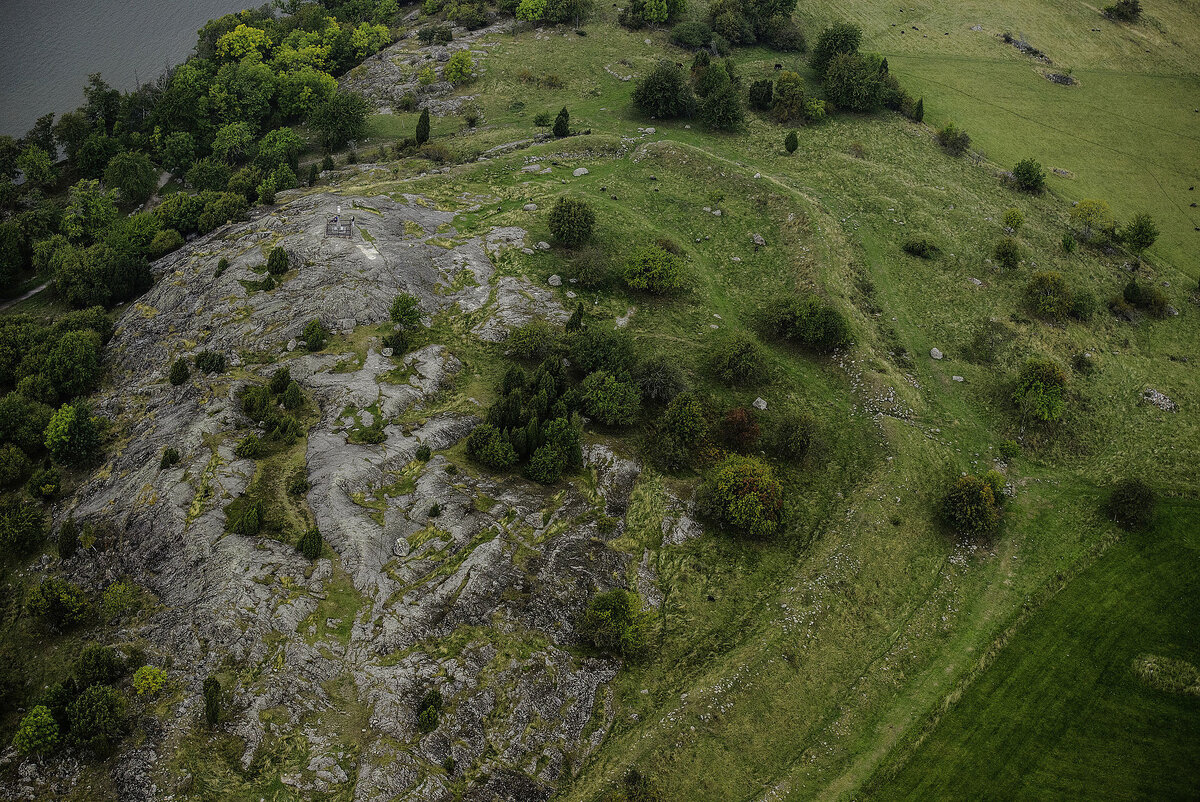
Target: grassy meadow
(855, 654)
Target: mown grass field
(809, 667)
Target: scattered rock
(555, 281)
(935, 353)
(542, 246)
(758, 240)
(759, 403)
(530, 207)
(578, 171)
(957, 378)
(1152, 396)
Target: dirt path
(24, 297)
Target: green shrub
(791, 436)
(164, 242)
(953, 140)
(809, 321)
(97, 717)
(73, 436)
(854, 83)
(611, 400)
(660, 379)
(1139, 233)
(972, 506)
(170, 456)
(1048, 295)
(791, 142)
(1013, 219)
(97, 665)
(244, 517)
(44, 483)
(222, 266)
(721, 109)
(424, 453)
(310, 543)
(590, 267)
(60, 603)
(692, 35)
(405, 310)
(687, 420)
(614, 623)
(532, 341)
(1009, 449)
(1146, 297)
(572, 221)
(68, 539)
(210, 362)
(743, 495)
(298, 484)
(546, 465)
(1041, 390)
(1007, 253)
(921, 247)
(1131, 504)
(14, 465)
(292, 398)
(654, 270)
(277, 262)
(179, 372)
(428, 710)
(37, 734)
(149, 680)
(599, 348)
(460, 69)
(1083, 305)
(1028, 176)
(212, 700)
(250, 447)
(834, 40)
(22, 525)
(739, 360)
(315, 335)
(562, 124)
(487, 446)
(119, 600)
(1124, 10)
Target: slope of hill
(865, 651)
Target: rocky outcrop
(438, 577)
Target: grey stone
(555, 281)
(530, 207)
(759, 403)
(578, 171)
(935, 353)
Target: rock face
(476, 599)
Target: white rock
(650, 130)
(386, 351)
(957, 378)
(578, 171)
(737, 258)
(291, 345)
(935, 353)
(530, 207)
(555, 281)
(543, 246)
(759, 403)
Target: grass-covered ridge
(864, 650)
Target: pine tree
(791, 142)
(68, 539)
(423, 128)
(212, 700)
(562, 124)
(919, 111)
(576, 321)
(310, 543)
(179, 372)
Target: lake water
(49, 47)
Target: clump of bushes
(953, 140)
(1131, 504)
(742, 495)
(921, 247)
(1048, 295)
(738, 360)
(972, 505)
(652, 269)
(210, 362)
(572, 221)
(809, 321)
(615, 623)
(1146, 297)
(1028, 176)
(1007, 253)
(665, 93)
(611, 400)
(660, 379)
(1040, 392)
(315, 335)
(61, 604)
(428, 711)
(1124, 10)
(310, 543)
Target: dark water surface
(49, 47)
